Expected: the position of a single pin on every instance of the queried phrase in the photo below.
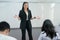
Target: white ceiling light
(52, 5)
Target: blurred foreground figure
(4, 31)
(48, 31)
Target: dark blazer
(23, 17)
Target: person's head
(25, 6)
(48, 27)
(4, 28)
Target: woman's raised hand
(17, 17)
(37, 17)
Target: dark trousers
(29, 30)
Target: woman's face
(25, 6)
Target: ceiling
(57, 1)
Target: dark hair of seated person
(4, 25)
(49, 29)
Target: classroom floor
(36, 32)
(17, 33)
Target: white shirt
(4, 37)
(27, 15)
(43, 37)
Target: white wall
(8, 10)
(43, 8)
(57, 14)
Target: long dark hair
(48, 28)
(23, 6)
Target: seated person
(4, 31)
(48, 31)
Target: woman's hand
(37, 17)
(17, 17)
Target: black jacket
(23, 17)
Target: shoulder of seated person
(42, 32)
(13, 38)
(8, 37)
(58, 34)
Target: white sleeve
(40, 37)
(15, 39)
(58, 36)
(12, 38)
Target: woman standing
(25, 16)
